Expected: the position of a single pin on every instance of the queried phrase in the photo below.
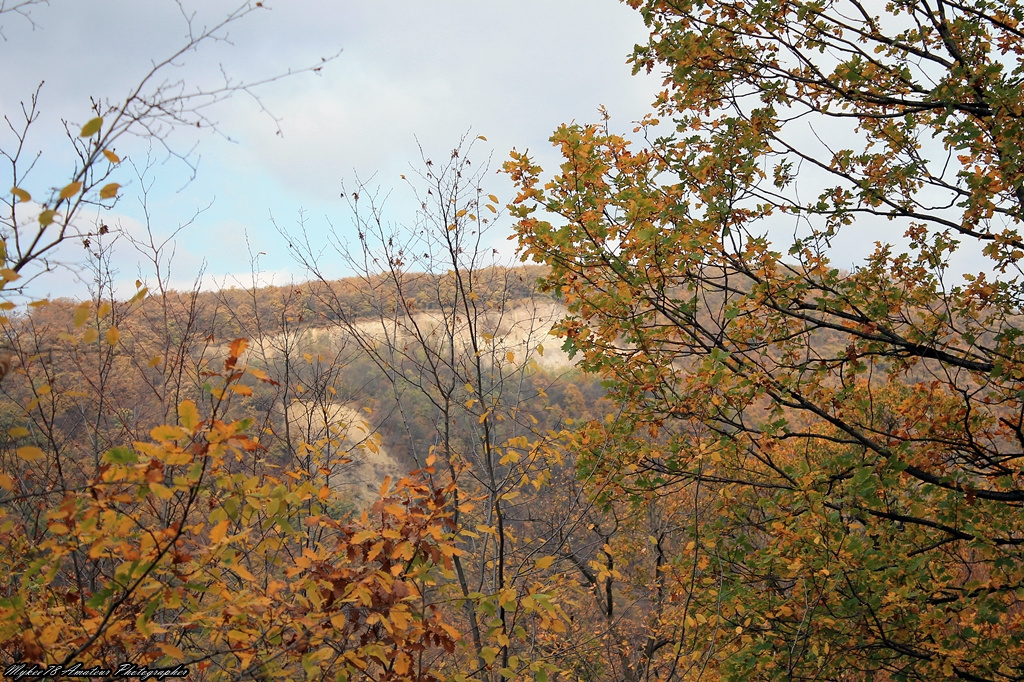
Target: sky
(399, 76)
(407, 74)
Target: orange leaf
(237, 347)
(218, 532)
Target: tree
(455, 335)
(140, 522)
(159, 103)
(851, 441)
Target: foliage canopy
(850, 442)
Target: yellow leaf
(154, 361)
(7, 305)
(241, 390)
(243, 572)
(111, 156)
(31, 453)
(544, 562)
(104, 310)
(166, 432)
(20, 194)
(113, 336)
(39, 304)
(171, 651)
(362, 536)
(90, 335)
(461, 213)
(110, 190)
(510, 356)
(258, 373)
(237, 636)
(6, 482)
(403, 550)
(91, 128)
(70, 190)
(492, 198)
(188, 415)
(177, 458)
(218, 532)
(481, 137)
(81, 314)
(9, 275)
(18, 432)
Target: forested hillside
(319, 382)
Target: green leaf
(98, 598)
(92, 127)
(47, 217)
(121, 455)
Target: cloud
(409, 70)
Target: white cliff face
(521, 330)
(339, 435)
(339, 439)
